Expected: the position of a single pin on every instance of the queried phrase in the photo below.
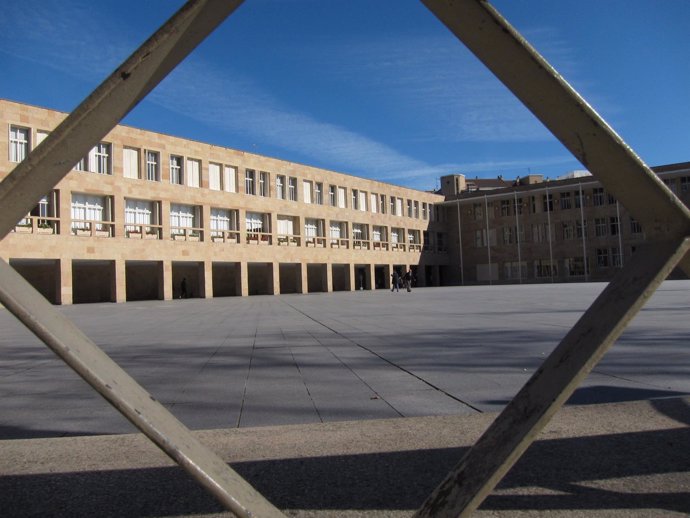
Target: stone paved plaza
(301, 359)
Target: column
(65, 281)
(166, 280)
(304, 278)
(244, 276)
(207, 279)
(275, 267)
(120, 281)
(329, 277)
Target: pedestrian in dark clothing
(395, 281)
(407, 280)
(183, 288)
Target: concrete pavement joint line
(246, 379)
(379, 396)
(306, 387)
(400, 367)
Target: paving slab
(290, 359)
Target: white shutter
(399, 206)
(307, 191)
(373, 203)
(341, 197)
(193, 173)
(229, 182)
(362, 200)
(130, 162)
(214, 176)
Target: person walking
(395, 279)
(407, 280)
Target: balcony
(38, 225)
(337, 242)
(87, 228)
(259, 238)
(415, 247)
(360, 244)
(315, 242)
(225, 236)
(288, 240)
(186, 234)
(380, 245)
(144, 231)
(400, 247)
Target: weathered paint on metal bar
(553, 383)
(566, 114)
(53, 158)
(128, 397)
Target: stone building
(152, 216)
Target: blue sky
(374, 88)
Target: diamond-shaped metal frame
(507, 54)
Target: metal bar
(128, 397)
(567, 115)
(552, 384)
(53, 158)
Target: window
(399, 206)
(518, 206)
(332, 196)
(152, 166)
(393, 206)
(139, 215)
(540, 233)
(318, 193)
(19, 143)
(396, 234)
(222, 220)
(374, 202)
(230, 178)
(566, 201)
(355, 199)
(635, 227)
(359, 232)
(410, 212)
(362, 200)
(545, 268)
(264, 184)
(184, 217)
(505, 208)
(382, 203)
(616, 257)
(257, 222)
(292, 188)
(581, 228)
(249, 181)
(425, 213)
(568, 230)
(416, 209)
(176, 170)
(193, 173)
(574, 266)
(508, 235)
(377, 232)
(579, 200)
(88, 209)
(313, 227)
(130, 162)
(599, 227)
(286, 225)
(99, 159)
(547, 201)
(602, 257)
(342, 197)
(280, 187)
(598, 196)
(477, 211)
(614, 225)
(307, 187)
(214, 178)
(338, 230)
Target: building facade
(567, 230)
(152, 216)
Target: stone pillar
(275, 267)
(329, 277)
(304, 273)
(119, 281)
(206, 280)
(244, 276)
(166, 280)
(65, 282)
